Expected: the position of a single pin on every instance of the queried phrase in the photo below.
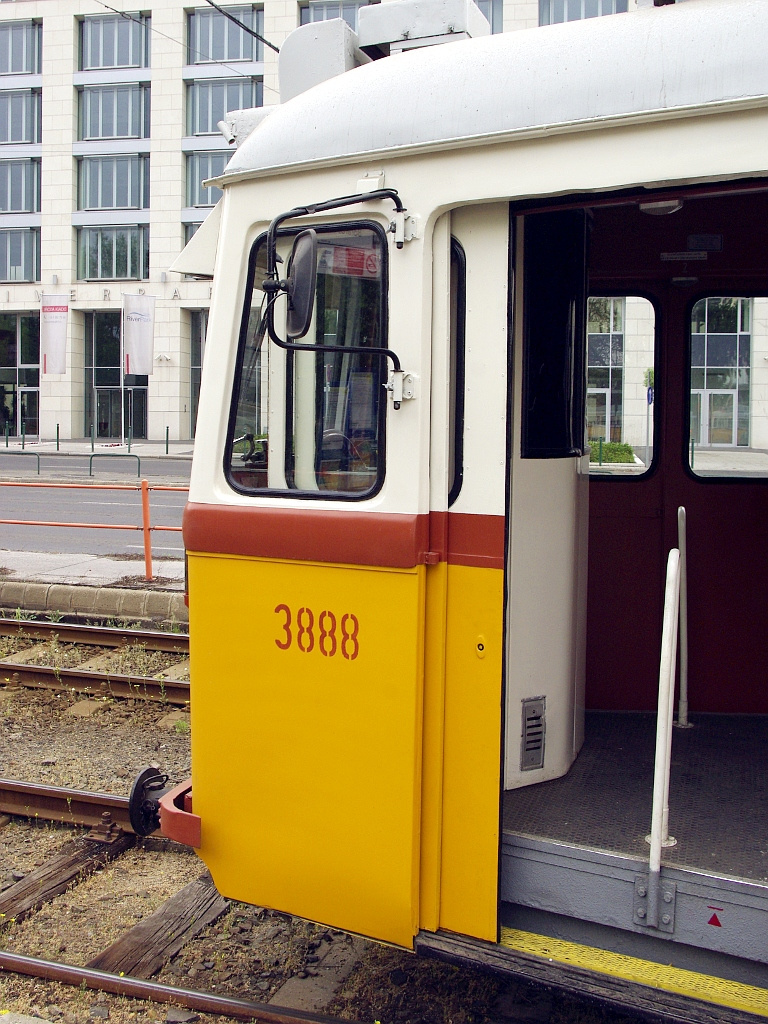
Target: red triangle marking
(715, 921)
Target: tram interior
(695, 256)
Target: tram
(484, 315)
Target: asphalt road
(90, 504)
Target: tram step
(709, 911)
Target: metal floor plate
(718, 794)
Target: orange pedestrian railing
(145, 527)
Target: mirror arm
(329, 204)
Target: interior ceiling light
(662, 208)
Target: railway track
(56, 803)
(99, 636)
(88, 681)
(126, 966)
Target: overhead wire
(243, 26)
(197, 53)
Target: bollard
(6, 433)
(146, 529)
(93, 446)
(693, 442)
(23, 434)
(57, 437)
(600, 451)
(130, 438)
(167, 431)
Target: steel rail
(100, 636)
(55, 803)
(99, 684)
(135, 988)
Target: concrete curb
(104, 602)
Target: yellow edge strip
(720, 991)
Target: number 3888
(324, 632)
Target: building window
(115, 403)
(198, 325)
(721, 356)
(201, 166)
(114, 112)
(208, 102)
(605, 368)
(551, 12)
(20, 44)
(620, 377)
(19, 373)
(20, 254)
(326, 10)
(214, 37)
(20, 116)
(492, 9)
(113, 183)
(19, 186)
(120, 41)
(113, 253)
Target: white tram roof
(653, 62)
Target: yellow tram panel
(309, 795)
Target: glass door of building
(108, 412)
(135, 412)
(598, 404)
(713, 418)
(29, 411)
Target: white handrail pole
(682, 713)
(660, 810)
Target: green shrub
(613, 451)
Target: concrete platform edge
(103, 602)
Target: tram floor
(718, 794)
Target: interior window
(620, 384)
(312, 422)
(728, 420)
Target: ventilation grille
(534, 729)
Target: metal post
(600, 451)
(693, 443)
(6, 433)
(57, 437)
(93, 438)
(23, 434)
(130, 437)
(146, 529)
(167, 432)
(682, 713)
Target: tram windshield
(312, 422)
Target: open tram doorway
(573, 847)
(115, 402)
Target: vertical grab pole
(660, 813)
(146, 529)
(682, 713)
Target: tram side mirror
(301, 277)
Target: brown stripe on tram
(462, 538)
(345, 535)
